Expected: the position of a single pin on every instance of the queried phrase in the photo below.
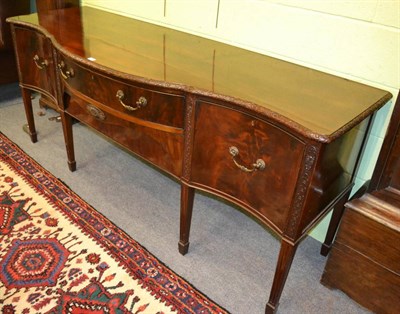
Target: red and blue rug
(59, 255)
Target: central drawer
(247, 160)
(160, 148)
(140, 102)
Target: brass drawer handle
(141, 102)
(40, 64)
(258, 165)
(67, 74)
(96, 112)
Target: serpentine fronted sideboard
(280, 140)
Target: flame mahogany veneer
(280, 140)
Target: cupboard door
(35, 61)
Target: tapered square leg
(30, 129)
(69, 141)
(334, 224)
(285, 259)
(187, 197)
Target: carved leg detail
(285, 259)
(69, 140)
(26, 96)
(187, 197)
(334, 224)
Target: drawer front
(35, 61)
(162, 149)
(365, 281)
(229, 145)
(146, 104)
(371, 238)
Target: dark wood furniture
(43, 7)
(280, 140)
(365, 258)
(8, 72)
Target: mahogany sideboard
(280, 140)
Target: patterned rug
(59, 255)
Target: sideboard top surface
(322, 103)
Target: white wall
(355, 39)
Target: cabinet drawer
(163, 149)
(365, 233)
(364, 280)
(35, 61)
(143, 103)
(228, 147)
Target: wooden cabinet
(364, 261)
(283, 146)
(365, 258)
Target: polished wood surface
(320, 105)
(280, 140)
